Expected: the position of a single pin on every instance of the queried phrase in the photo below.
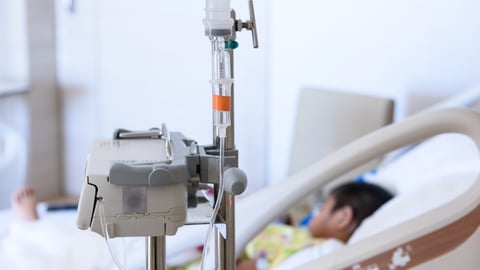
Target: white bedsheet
(310, 253)
(54, 243)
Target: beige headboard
(327, 120)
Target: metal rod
(230, 138)
(225, 248)
(220, 262)
(229, 214)
(156, 253)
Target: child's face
(338, 224)
(323, 223)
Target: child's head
(345, 209)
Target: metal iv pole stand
(156, 253)
(225, 247)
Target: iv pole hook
(250, 25)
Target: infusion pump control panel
(144, 184)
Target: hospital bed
(416, 241)
(431, 224)
(447, 233)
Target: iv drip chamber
(221, 86)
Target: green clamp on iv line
(231, 44)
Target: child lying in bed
(342, 213)
(345, 209)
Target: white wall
(13, 64)
(77, 73)
(145, 63)
(3, 35)
(13, 45)
(413, 51)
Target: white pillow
(426, 162)
(434, 193)
(428, 176)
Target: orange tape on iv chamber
(221, 103)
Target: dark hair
(364, 198)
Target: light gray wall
(45, 138)
(3, 36)
(413, 51)
(13, 46)
(78, 74)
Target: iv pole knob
(235, 181)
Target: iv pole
(225, 247)
(156, 253)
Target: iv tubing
(103, 223)
(217, 203)
(221, 100)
